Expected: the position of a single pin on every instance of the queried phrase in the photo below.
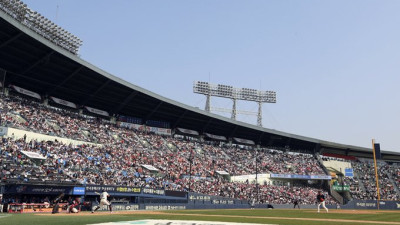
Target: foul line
(288, 218)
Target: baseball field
(195, 217)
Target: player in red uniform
(72, 207)
(321, 201)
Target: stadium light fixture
(225, 91)
(41, 25)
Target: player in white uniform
(103, 201)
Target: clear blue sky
(334, 64)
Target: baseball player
(56, 205)
(296, 202)
(103, 201)
(321, 201)
(72, 206)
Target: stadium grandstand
(69, 127)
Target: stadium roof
(37, 64)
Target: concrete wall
(261, 178)
(337, 165)
(18, 133)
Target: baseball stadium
(82, 146)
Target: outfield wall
(372, 204)
(203, 206)
(169, 200)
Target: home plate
(174, 222)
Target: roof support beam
(10, 40)
(154, 110)
(44, 58)
(288, 141)
(233, 131)
(69, 77)
(180, 118)
(260, 138)
(271, 140)
(90, 97)
(207, 124)
(125, 102)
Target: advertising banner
(348, 172)
(213, 199)
(341, 188)
(63, 102)
(165, 207)
(215, 137)
(298, 176)
(156, 130)
(120, 207)
(78, 191)
(321, 177)
(113, 189)
(372, 204)
(187, 131)
(222, 202)
(38, 189)
(244, 141)
(97, 111)
(152, 191)
(26, 92)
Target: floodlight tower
(259, 114)
(233, 115)
(225, 91)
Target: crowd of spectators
(394, 171)
(119, 154)
(267, 193)
(16, 167)
(364, 172)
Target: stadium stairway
(360, 183)
(341, 199)
(336, 195)
(165, 143)
(321, 164)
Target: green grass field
(261, 216)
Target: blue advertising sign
(78, 191)
(348, 172)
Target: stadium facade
(37, 64)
